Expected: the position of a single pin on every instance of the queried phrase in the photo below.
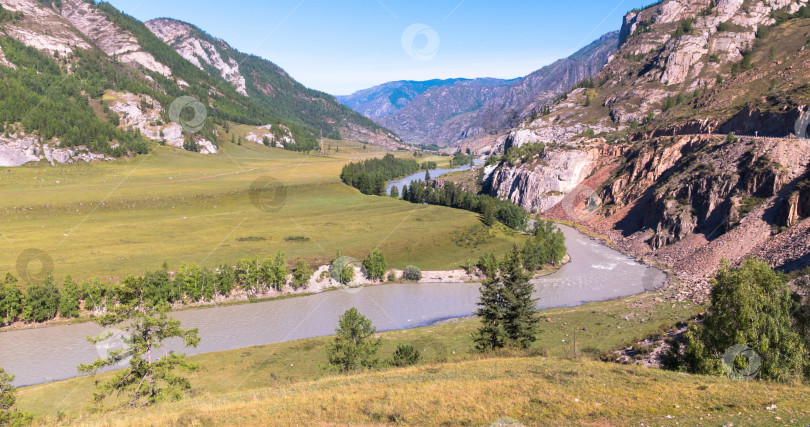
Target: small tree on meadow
(146, 328)
(375, 265)
(506, 308)
(354, 346)
(405, 355)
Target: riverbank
(586, 331)
(594, 273)
(319, 283)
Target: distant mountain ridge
(389, 98)
(267, 84)
(446, 112)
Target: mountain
(448, 112)
(268, 85)
(388, 98)
(83, 81)
(688, 147)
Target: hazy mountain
(448, 111)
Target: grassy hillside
(117, 218)
(284, 384)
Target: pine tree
(507, 310)
(519, 317)
(395, 191)
(147, 328)
(353, 347)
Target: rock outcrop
(109, 37)
(197, 50)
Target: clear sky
(343, 46)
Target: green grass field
(112, 219)
(285, 384)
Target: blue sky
(341, 47)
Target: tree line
(452, 195)
(190, 284)
(370, 176)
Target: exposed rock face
(539, 188)
(197, 50)
(281, 136)
(131, 113)
(19, 149)
(43, 29)
(110, 38)
(669, 187)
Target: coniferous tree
(148, 377)
(492, 333)
(519, 316)
(506, 307)
(354, 346)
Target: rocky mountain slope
(684, 149)
(448, 112)
(83, 81)
(269, 85)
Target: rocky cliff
(695, 122)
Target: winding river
(420, 176)
(595, 273)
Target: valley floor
(559, 381)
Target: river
(420, 176)
(595, 273)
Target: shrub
(405, 355)
(412, 274)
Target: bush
(405, 355)
(412, 274)
(750, 308)
(375, 265)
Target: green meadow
(111, 219)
